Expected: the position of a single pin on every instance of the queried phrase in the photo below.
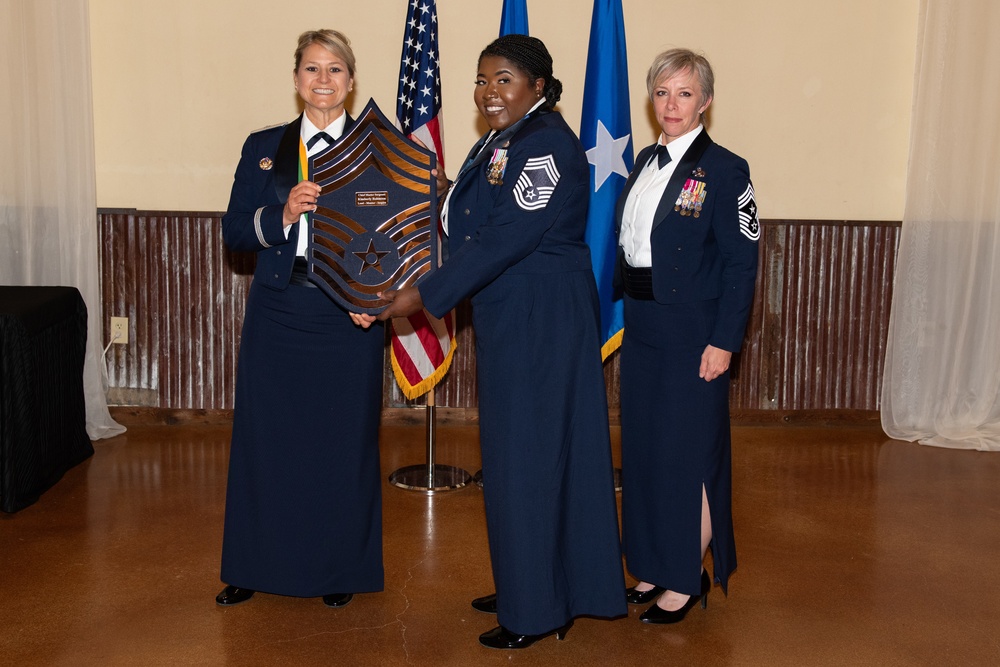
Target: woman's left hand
(363, 320)
(402, 303)
(714, 362)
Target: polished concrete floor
(853, 550)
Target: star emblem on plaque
(375, 225)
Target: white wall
(815, 94)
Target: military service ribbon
(692, 198)
(497, 166)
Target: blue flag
(514, 18)
(606, 133)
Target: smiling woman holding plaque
(516, 216)
(303, 502)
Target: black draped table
(43, 339)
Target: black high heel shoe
(486, 604)
(656, 614)
(633, 596)
(501, 637)
(337, 600)
(231, 595)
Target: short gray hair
(673, 61)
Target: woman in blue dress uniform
(303, 502)
(688, 232)
(515, 216)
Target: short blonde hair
(333, 41)
(673, 61)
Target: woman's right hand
(442, 181)
(402, 303)
(302, 199)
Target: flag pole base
(430, 479)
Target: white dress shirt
(643, 200)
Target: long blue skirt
(548, 480)
(675, 438)
(303, 502)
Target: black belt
(300, 273)
(638, 283)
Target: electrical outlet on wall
(119, 330)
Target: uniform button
(279, 252)
(674, 290)
(468, 238)
(677, 268)
(467, 211)
(275, 275)
(679, 248)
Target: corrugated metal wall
(184, 294)
(816, 339)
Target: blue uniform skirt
(548, 480)
(303, 502)
(675, 438)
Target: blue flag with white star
(514, 18)
(606, 133)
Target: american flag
(422, 345)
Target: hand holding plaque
(375, 225)
(402, 303)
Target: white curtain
(942, 372)
(48, 212)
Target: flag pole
(606, 134)
(418, 112)
(430, 477)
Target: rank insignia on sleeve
(749, 222)
(266, 163)
(692, 198)
(536, 183)
(497, 167)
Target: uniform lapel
(470, 159)
(639, 165)
(286, 162)
(680, 176)
(483, 146)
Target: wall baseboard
(415, 416)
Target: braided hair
(530, 56)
